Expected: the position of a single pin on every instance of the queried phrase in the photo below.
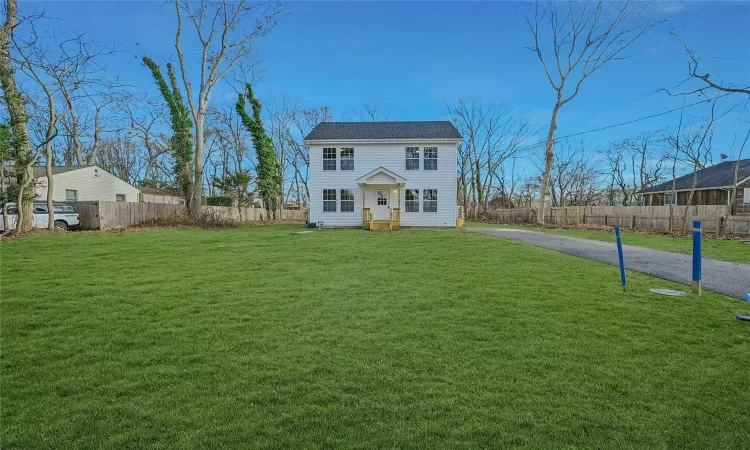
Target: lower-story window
(412, 200)
(347, 200)
(329, 200)
(429, 200)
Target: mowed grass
(730, 250)
(255, 338)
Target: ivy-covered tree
(181, 143)
(22, 154)
(237, 186)
(267, 170)
(6, 140)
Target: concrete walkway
(724, 277)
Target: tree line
(62, 107)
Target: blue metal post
(697, 257)
(620, 258)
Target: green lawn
(730, 250)
(254, 338)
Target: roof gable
(41, 171)
(353, 131)
(381, 175)
(717, 176)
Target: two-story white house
(383, 175)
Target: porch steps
(381, 225)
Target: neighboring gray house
(713, 186)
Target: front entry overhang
(381, 176)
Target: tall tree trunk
(200, 119)
(2, 190)
(549, 157)
(480, 188)
(18, 121)
(97, 138)
(50, 184)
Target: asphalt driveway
(725, 277)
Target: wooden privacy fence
(715, 218)
(101, 215)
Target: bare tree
(492, 135)
(57, 69)
(733, 196)
(583, 39)
(693, 148)
(617, 170)
(305, 121)
(574, 180)
(707, 83)
(23, 155)
(375, 112)
(147, 122)
(224, 40)
(122, 157)
(636, 164)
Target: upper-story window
(329, 159)
(430, 158)
(412, 158)
(347, 159)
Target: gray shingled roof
(326, 131)
(718, 175)
(41, 171)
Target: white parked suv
(66, 217)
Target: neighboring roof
(41, 171)
(156, 191)
(333, 131)
(364, 178)
(717, 176)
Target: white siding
(92, 183)
(368, 157)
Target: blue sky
(415, 56)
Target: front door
(382, 204)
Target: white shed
(84, 183)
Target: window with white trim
(347, 159)
(347, 200)
(429, 200)
(670, 197)
(71, 195)
(329, 159)
(120, 197)
(430, 158)
(412, 158)
(746, 195)
(329, 200)
(412, 200)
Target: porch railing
(396, 215)
(367, 216)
